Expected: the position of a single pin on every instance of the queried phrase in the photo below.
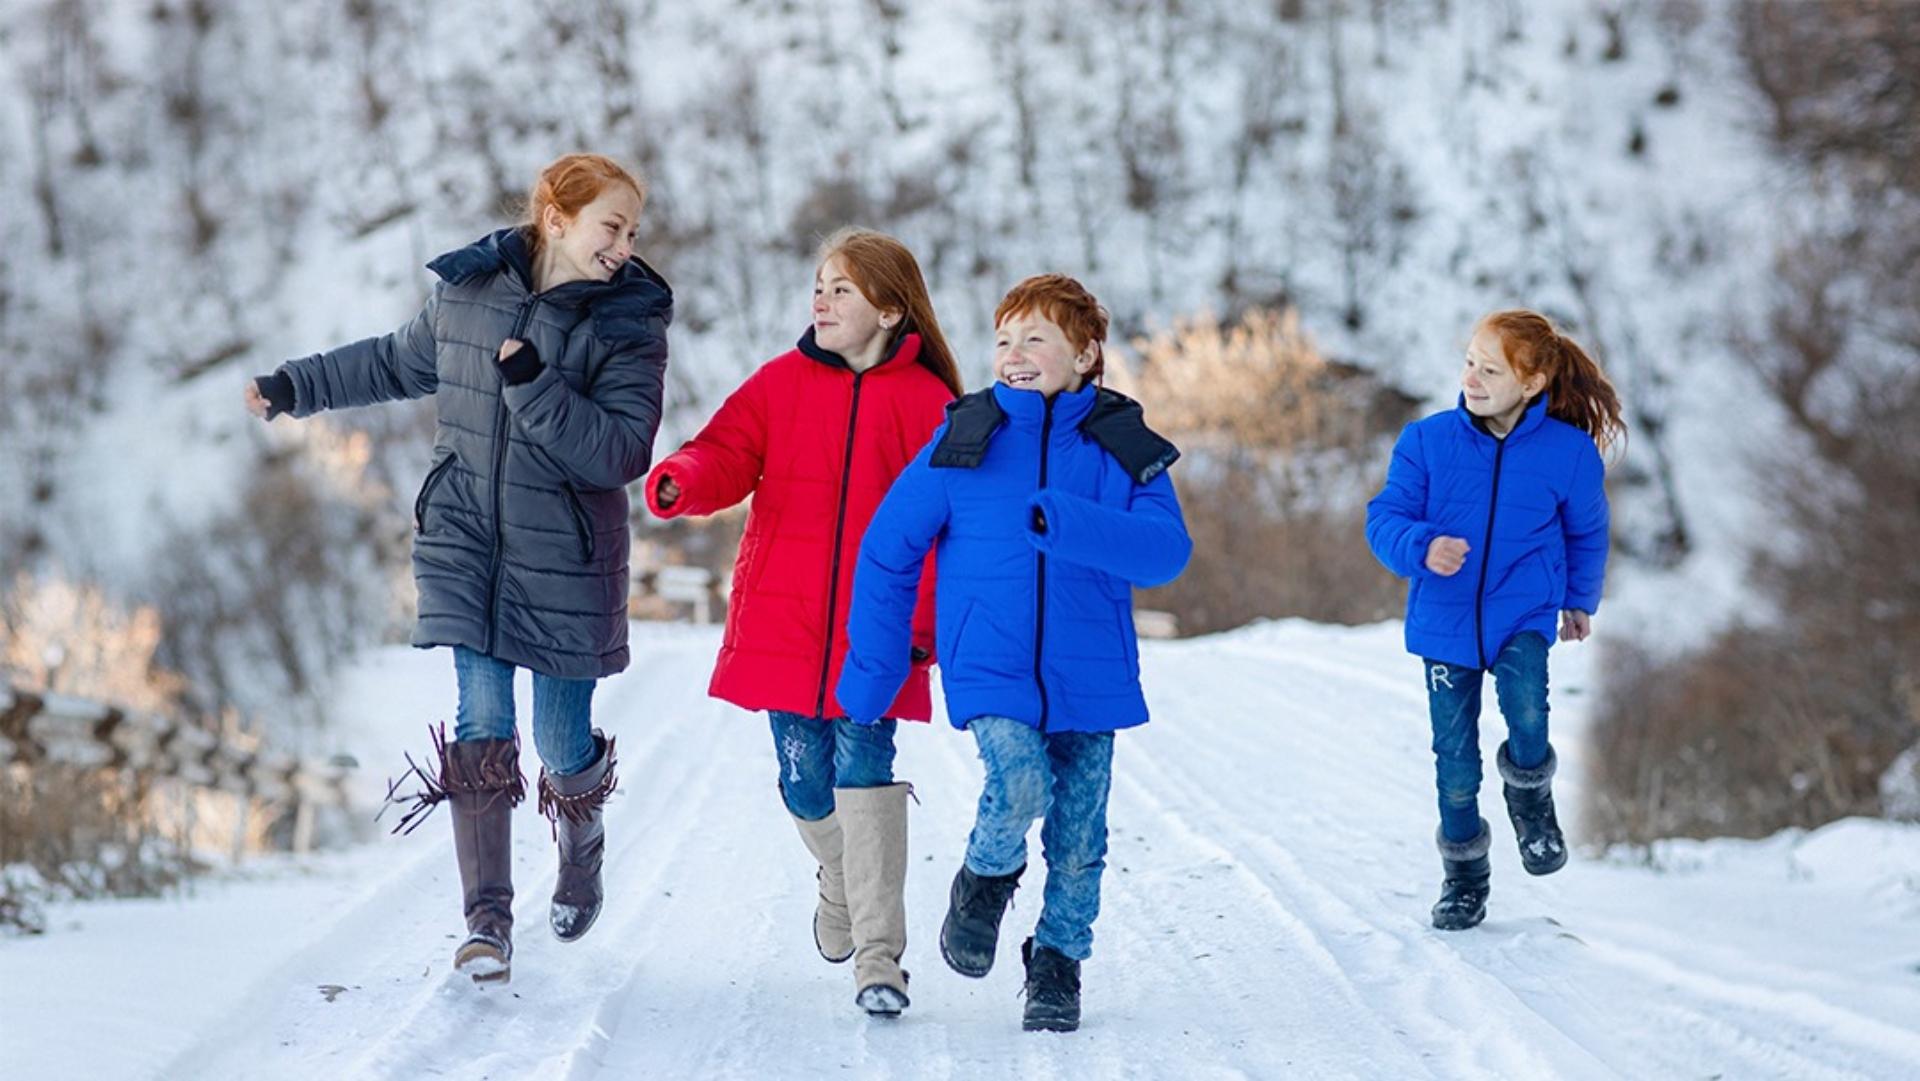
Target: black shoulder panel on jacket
(1119, 425)
(971, 421)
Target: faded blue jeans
(562, 711)
(819, 756)
(1453, 701)
(1063, 777)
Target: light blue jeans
(818, 756)
(562, 711)
(1453, 703)
(1063, 777)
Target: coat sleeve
(886, 584)
(923, 611)
(1145, 542)
(722, 464)
(1584, 520)
(1396, 530)
(384, 369)
(602, 438)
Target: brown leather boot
(572, 804)
(480, 781)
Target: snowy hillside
(1394, 169)
(1264, 916)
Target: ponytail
(1578, 392)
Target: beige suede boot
(873, 822)
(832, 927)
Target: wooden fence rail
(82, 733)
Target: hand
(510, 347)
(1575, 625)
(1446, 555)
(667, 493)
(257, 403)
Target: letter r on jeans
(1440, 674)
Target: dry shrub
(1282, 448)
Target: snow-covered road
(1264, 917)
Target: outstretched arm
(393, 366)
(722, 464)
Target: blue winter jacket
(1532, 509)
(1032, 625)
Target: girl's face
(1489, 383)
(594, 243)
(844, 320)
(1031, 352)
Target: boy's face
(1031, 353)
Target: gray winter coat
(520, 529)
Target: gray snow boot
(1463, 895)
(573, 805)
(1529, 792)
(832, 926)
(480, 781)
(873, 822)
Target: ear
(553, 221)
(890, 318)
(1084, 362)
(1534, 384)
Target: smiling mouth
(607, 264)
(1020, 379)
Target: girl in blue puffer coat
(1497, 511)
(1048, 500)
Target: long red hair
(1577, 390)
(888, 275)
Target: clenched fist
(1446, 555)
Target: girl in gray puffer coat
(545, 349)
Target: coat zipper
(1486, 553)
(520, 322)
(1040, 587)
(839, 529)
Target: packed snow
(1264, 916)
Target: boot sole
(881, 1000)
(970, 973)
(1050, 1024)
(1545, 868)
(484, 962)
(1467, 926)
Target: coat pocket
(582, 522)
(434, 476)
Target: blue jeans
(1453, 701)
(562, 711)
(1065, 777)
(819, 756)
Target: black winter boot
(1529, 792)
(971, 932)
(1463, 896)
(480, 781)
(572, 804)
(1053, 989)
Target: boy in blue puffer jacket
(1497, 511)
(1048, 499)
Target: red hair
(568, 184)
(1577, 390)
(888, 275)
(1066, 304)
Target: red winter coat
(817, 446)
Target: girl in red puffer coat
(816, 436)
